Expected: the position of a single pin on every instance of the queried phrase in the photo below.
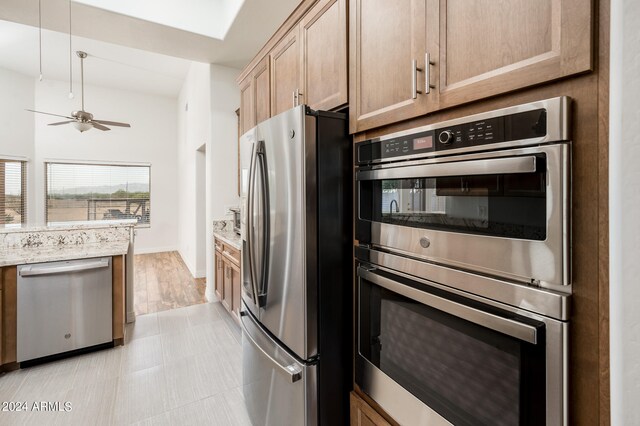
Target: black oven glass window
(469, 374)
(507, 205)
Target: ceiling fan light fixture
(81, 119)
(82, 126)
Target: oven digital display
(423, 142)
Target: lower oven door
(432, 357)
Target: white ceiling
(126, 52)
(211, 18)
(107, 65)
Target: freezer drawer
(278, 389)
(63, 306)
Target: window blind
(88, 192)
(13, 192)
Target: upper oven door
(504, 213)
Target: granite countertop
(75, 240)
(68, 226)
(229, 237)
(21, 256)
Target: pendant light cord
(70, 57)
(40, 35)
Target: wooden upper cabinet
(387, 59)
(323, 37)
(261, 84)
(489, 47)
(247, 109)
(285, 73)
(478, 49)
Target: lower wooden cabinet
(118, 303)
(227, 296)
(8, 312)
(362, 414)
(234, 272)
(227, 279)
(219, 279)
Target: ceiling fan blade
(48, 113)
(112, 123)
(99, 126)
(61, 122)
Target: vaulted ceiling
(128, 52)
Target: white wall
(222, 156)
(16, 126)
(212, 96)
(624, 210)
(194, 126)
(152, 138)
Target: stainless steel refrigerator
(297, 299)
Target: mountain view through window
(88, 192)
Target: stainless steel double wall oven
(463, 268)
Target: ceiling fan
(83, 120)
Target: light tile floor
(178, 367)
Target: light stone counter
(223, 230)
(75, 241)
(20, 256)
(230, 238)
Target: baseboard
(149, 250)
(190, 268)
(201, 273)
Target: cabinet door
(228, 292)
(235, 289)
(489, 47)
(323, 37)
(247, 109)
(363, 415)
(285, 73)
(387, 60)
(219, 281)
(262, 98)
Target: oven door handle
(492, 166)
(497, 323)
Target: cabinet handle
(427, 75)
(414, 79)
(296, 97)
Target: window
(13, 192)
(86, 192)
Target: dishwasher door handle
(32, 271)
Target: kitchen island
(64, 242)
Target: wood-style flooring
(162, 281)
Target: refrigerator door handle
(250, 235)
(266, 237)
(293, 372)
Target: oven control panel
(524, 125)
(512, 127)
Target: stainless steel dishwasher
(63, 306)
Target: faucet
(391, 206)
